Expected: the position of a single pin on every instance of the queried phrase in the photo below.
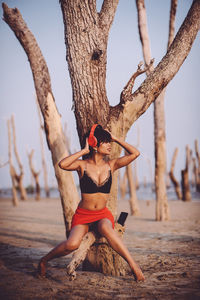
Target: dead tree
(123, 185)
(52, 119)
(35, 175)
(185, 178)
(162, 209)
(18, 177)
(86, 37)
(173, 178)
(198, 166)
(12, 169)
(135, 176)
(133, 201)
(44, 166)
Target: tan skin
(97, 169)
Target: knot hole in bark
(96, 55)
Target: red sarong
(86, 216)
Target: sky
(17, 93)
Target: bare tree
(44, 166)
(12, 169)
(172, 176)
(198, 166)
(133, 201)
(162, 209)
(18, 177)
(86, 37)
(52, 123)
(185, 177)
(35, 175)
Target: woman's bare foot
(139, 276)
(41, 271)
(137, 272)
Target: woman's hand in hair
(86, 148)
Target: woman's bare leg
(64, 248)
(106, 230)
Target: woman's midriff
(93, 201)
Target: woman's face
(104, 148)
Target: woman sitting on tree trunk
(95, 175)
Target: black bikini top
(90, 186)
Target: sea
(146, 192)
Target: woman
(95, 174)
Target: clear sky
(17, 92)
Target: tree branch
(127, 91)
(172, 22)
(107, 14)
(153, 85)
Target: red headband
(92, 141)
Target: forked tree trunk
(162, 209)
(15, 200)
(35, 175)
(18, 177)
(185, 178)
(52, 123)
(44, 166)
(86, 36)
(173, 178)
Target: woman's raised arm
(132, 154)
(72, 162)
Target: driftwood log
(173, 178)
(97, 255)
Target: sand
(168, 253)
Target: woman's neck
(97, 158)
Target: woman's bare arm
(72, 162)
(132, 154)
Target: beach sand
(168, 253)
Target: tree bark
(15, 200)
(53, 128)
(18, 178)
(173, 178)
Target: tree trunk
(185, 178)
(162, 209)
(123, 185)
(15, 200)
(173, 178)
(52, 123)
(35, 175)
(44, 166)
(133, 201)
(19, 178)
(198, 166)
